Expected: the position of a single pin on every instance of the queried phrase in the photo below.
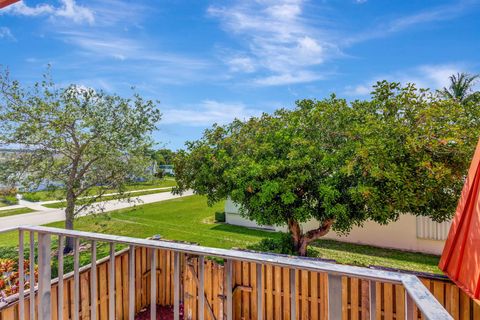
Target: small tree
(87, 141)
(461, 88)
(340, 164)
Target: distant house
(167, 169)
(410, 233)
(7, 153)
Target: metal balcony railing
(416, 294)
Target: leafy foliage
(404, 151)
(162, 156)
(461, 88)
(75, 137)
(9, 276)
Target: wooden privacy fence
(311, 292)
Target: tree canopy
(403, 151)
(85, 140)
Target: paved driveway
(53, 215)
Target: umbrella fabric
(4, 3)
(461, 255)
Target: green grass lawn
(11, 212)
(363, 255)
(61, 204)
(190, 219)
(59, 194)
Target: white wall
(408, 233)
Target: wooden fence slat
(464, 306)
(85, 295)
(286, 293)
(245, 295)
(314, 286)
(399, 302)
(304, 310)
(102, 304)
(345, 298)
(125, 284)
(355, 300)
(365, 300)
(118, 289)
(454, 298)
(388, 301)
(269, 292)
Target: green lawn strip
(363, 255)
(61, 204)
(190, 219)
(12, 212)
(59, 194)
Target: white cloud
(433, 14)
(5, 33)
(358, 90)
(241, 64)
(279, 43)
(68, 9)
(438, 76)
(288, 78)
(207, 113)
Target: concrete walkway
(39, 206)
(52, 215)
(15, 206)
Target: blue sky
(212, 61)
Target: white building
(410, 233)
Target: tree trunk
(301, 240)
(69, 216)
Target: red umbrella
(4, 3)
(461, 255)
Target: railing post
(131, 283)
(201, 287)
(153, 284)
(21, 276)
(409, 307)
(93, 282)
(60, 279)
(372, 285)
(293, 295)
(259, 292)
(76, 278)
(334, 297)
(111, 284)
(32, 275)
(44, 277)
(176, 286)
(228, 289)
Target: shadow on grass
(243, 230)
(395, 254)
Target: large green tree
(403, 151)
(85, 140)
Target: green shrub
(220, 216)
(282, 245)
(31, 196)
(10, 200)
